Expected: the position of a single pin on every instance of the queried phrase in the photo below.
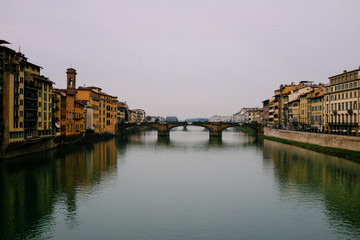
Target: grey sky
(192, 58)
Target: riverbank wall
(21, 148)
(350, 143)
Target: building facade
(26, 99)
(341, 104)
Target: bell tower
(71, 78)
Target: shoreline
(339, 152)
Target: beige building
(132, 116)
(341, 104)
(140, 115)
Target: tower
(71, 78)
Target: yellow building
(303, 112)
(26, 99)
(108, 112)
(316, 99)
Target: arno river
(188, 187)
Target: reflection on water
(47, 195)
(31, 187)
(308, 176)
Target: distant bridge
(215, 128)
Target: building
(108, 112)
(68, 112)
(122, 112)
(171, 119)
(139, 115)
(132, 116)
(265, 116)
(304, 124)
(341, 104)
(91, 100)
(25, 99)
(316, 99)
(56, 112)
(102, 106)
(154, 119)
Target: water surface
(185, 187)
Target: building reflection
(335, 181)
(32, 186)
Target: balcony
(343, 124)
(15, 72)
(350, 111)
(334, 111)
(31, 119)
(31, 97)
(32, 85)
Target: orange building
(103, 107)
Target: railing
(343, 124)
(32, 85)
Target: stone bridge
(215, 128)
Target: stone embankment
(329, 141)
(35, 145)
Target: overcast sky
(189, 58)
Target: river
(185, 187)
